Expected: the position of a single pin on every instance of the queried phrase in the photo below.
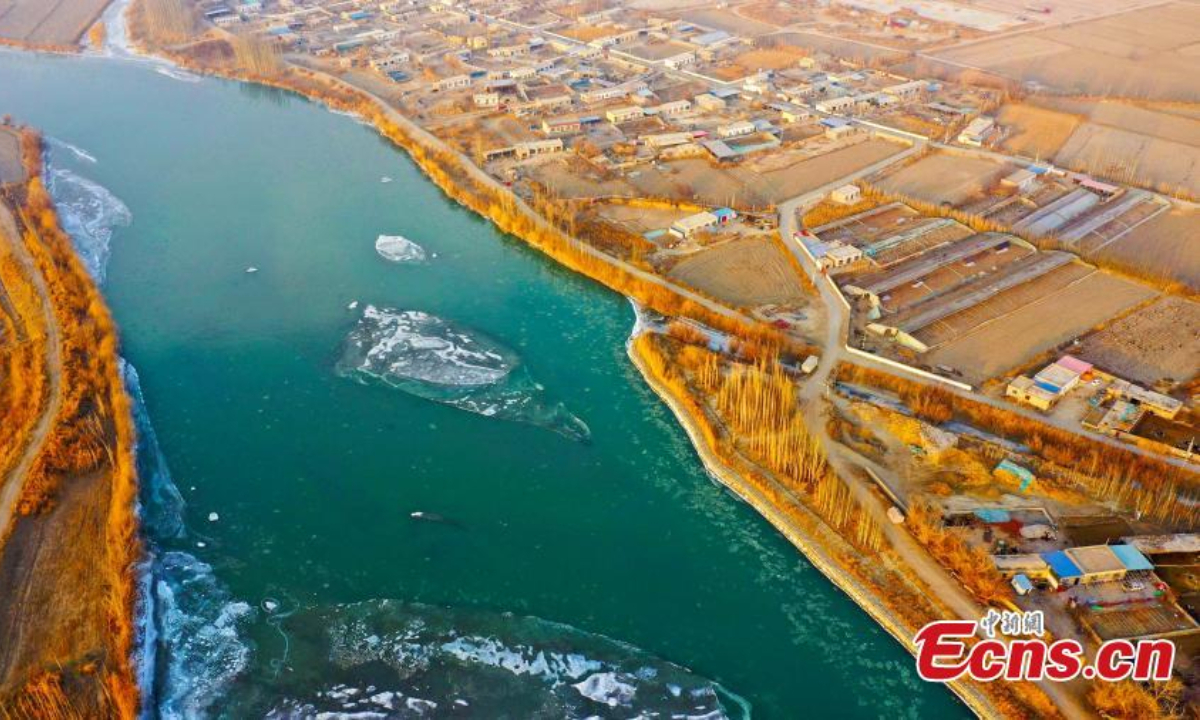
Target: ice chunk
(606, 688)
(399, 249)
(435, 359)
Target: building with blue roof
(1131, 558)
(1063, 567)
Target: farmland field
(1164, 247)
(1126, 142)
(1034, 131)
(10, 158)
(747, 272)
(728, 21)
(744, 187)
(1156, 342)
(1149, 53)
(841, 47)
(1020, 336)
(944, 177)
(48, 22)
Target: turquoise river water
(569, 556)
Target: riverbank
(807, 540)
(67, 507)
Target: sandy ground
(48, 22)
(1156, 342)
(1036, 132)
(1165, 247)
(1145, 54)
(942, 177)
(1039, 326)
(747, 272)
(11, 169)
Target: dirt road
(10, 485)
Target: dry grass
(1034, 131)
(1164, 249)
(746, 272)
(944, 177)
(1039, 326)
(71, 552)
(48, 23)
(1158, 342)
(1148, 53)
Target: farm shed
(847, 194)
(685, 227)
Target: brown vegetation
(1147, 485)
(89, 445)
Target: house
(560, 125)
(1023, 390)
(839, 255)
(662, 140)
(1022, 180)
(537, 147)
(977, 132)
(677, 107)
(725, 215)
(1050, 383)
(390, 62)
(487, 100)
(837, 105)
(736, 129)
(456, 82)
(1095, 563)
(1162, 405)
(681, 60)
(616, 116)
(709, 102)
(685, 227)
(848, 194)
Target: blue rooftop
(1061, 565)
(1131, 557)
(710, 38)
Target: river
(569, 556)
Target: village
(890, 217)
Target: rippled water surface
(408, 546)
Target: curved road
(10, 486)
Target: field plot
(728, 21)
(11, 169)
(1025, 322)
(1063, 10)
(1035, 131)
(747, 272)
(944, 177)
(575, 179)
(745, 186)
(48, 22)
(1127, 143)
(638, 219)
(1157, 342)
(1164, 247)
(1143, 54)
(840, 47)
